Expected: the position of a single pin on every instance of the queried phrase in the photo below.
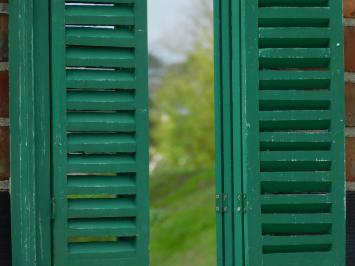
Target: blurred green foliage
(182, 113)
(182, 149)
(182, 190)
(183, 219)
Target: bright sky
(163, 17)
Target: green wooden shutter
(228, 133)
(280, 132)
(99, 132)
(293, 137)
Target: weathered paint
(29, 109)
(228, 132)
(100, 133)
(285, 73)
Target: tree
(182, 113)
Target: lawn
(183, 219)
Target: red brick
(350, 159)
(4, 153)
(349, 8)
(350, 49)
(350, 104)
(4, 94)
(3, 37)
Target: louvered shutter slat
(93, 79)
(294, 147)
(293, 37)
(99, 15)
(100, 133)
(98, 227)
(124, 184)
(91, 143)
(293, 16)
(84, 252)
(101, 101)
(114, 122)
(100, 37)
(293, 57)
(102, 208)
(100, 57)
(294, 3)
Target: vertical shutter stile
(293, 133)
(100, 132)
(228, 145)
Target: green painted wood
(218, 126)
(125, 227)
(30, 131)
(283, 84)
(293, 132)
(100, 37)
(228, 132)
(101, 101)
(100, 15)
(100, 57)
(123, 184)
(100, 133)
(93, 79)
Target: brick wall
(4, 95)
(349, 14)
(5, 243)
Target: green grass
(183, 219)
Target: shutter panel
(293, 140)
(99, 132)
(230, 249)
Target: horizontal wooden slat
(105, 208)
(289, 199)
(296, 240)
(294, 16)
(297, 218)
(100, 79)
(100, 37)
(280, 161)
(101, 185)
(295, 141)
(101, 164)
(296, 203)
(294, 80)
(100, 57)
(291, 137)
(100, 251)
(100, 100)
(121, 227)
(306, 176)
(294, 57)
(101, 143)
(297, 258)
(284, 37)
(296, 156)
(295, 120)
(295, 95)
(101, 122)
(294, 100)
(99, 15)
(295, 3)
(102, 1)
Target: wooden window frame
(30, 132)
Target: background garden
(182, 136)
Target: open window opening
(182, 133)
